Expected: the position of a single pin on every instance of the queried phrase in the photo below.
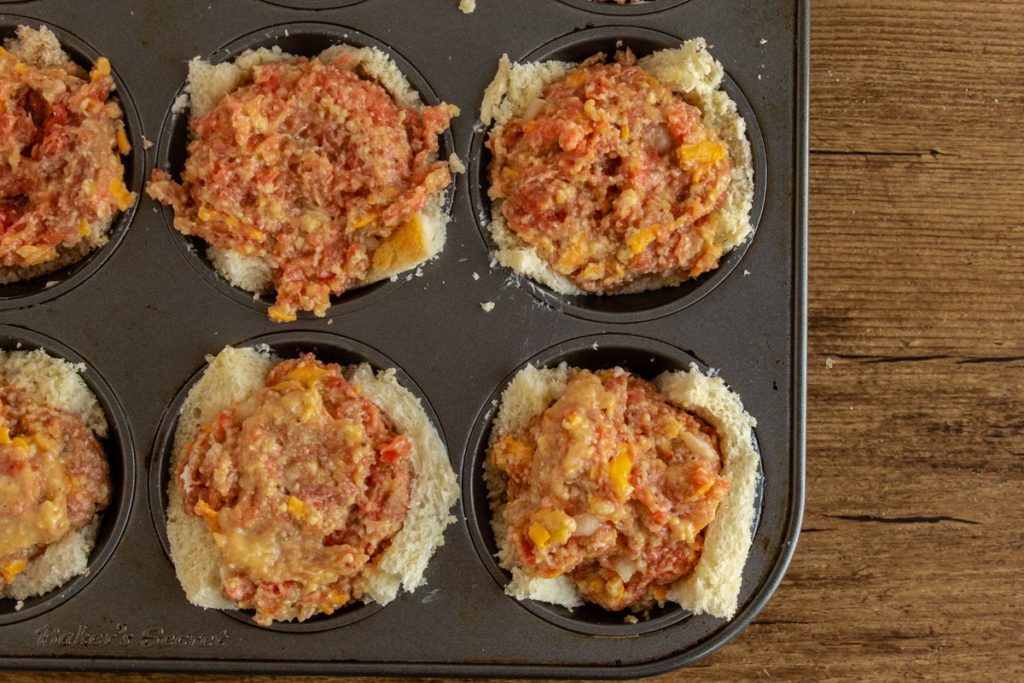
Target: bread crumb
(455, 164)
(476, 276)
(745, 272)
(829, 363)
(38, 48)
(488, 306)
(146, 142)
(180, 104)
(18, 605)
(763, 41)
(467, 6)
(631, 619)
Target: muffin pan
(143, 312)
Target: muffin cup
(621, 308)
(327, 348)
(641, 356)
(121, 457)
(307, 40)
(313, 4)
(45, 287)
(628, 9)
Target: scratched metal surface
(143, 314)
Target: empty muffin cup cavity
(313, 4)
(628, 8)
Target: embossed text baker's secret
(121, 636)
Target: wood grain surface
(910, 563)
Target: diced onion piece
(532, 109)
(699, 446)
(586, 524)
(659, 138)
(625, 568)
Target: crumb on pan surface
(325, 193)
(62, 136)
(208, 573)
(49, 540)
(592, 547)
(539, 203)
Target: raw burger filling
(611, 177)
(54, 478)
(612, 486)
(61, 137)
(311, 168)
(302, 484)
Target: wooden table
(911, 559)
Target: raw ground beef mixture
(61, 177)
(611, 177)
(54, 478)
(613, 486)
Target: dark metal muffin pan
(144, 311)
